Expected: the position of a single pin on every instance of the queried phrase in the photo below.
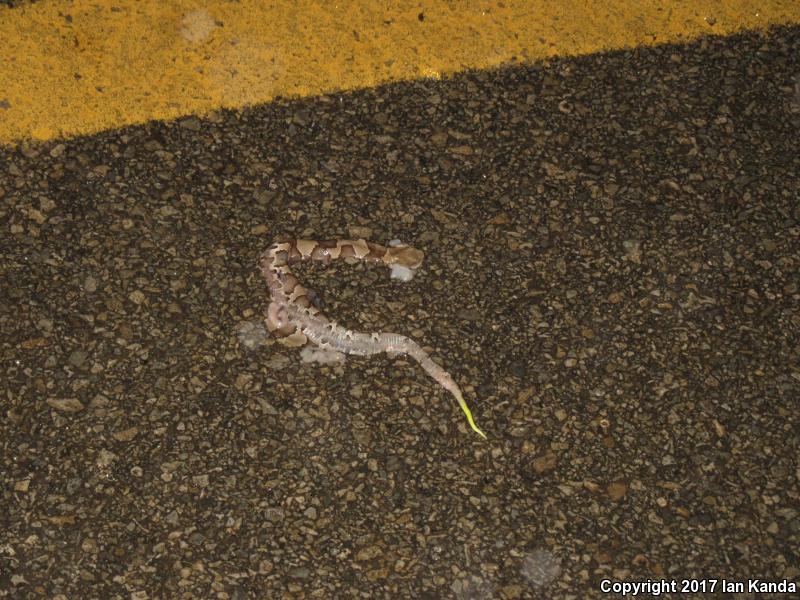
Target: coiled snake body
(293, 318)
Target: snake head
(405, 256)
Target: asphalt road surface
(612, 252)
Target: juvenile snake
(294, 319)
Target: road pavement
(612, 249)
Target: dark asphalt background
(612, 246)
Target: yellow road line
(69, 68)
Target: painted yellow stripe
(76, 67)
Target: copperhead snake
(294, 320)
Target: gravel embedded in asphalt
(612, 250)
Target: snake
(294, 318)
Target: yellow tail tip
(467, 412)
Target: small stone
(77, 358)
(368, 553)
(265, 406)
(524, 395)
(197, 538)
(126, 435)
(545, 463)
(773, 528)
(190, 123)
(440, 216)
(275, 515)
(633, 251)
(360, 232)
(591, 486)
(265, 566)
(105, 458)
(440, 138)
(36, 216)
(242, 381)
(512, 591)
(462, 150)
(65, 404)
(769, 245)
(616, 490)
(299, 573)
(36, 342)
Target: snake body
(295, 320)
